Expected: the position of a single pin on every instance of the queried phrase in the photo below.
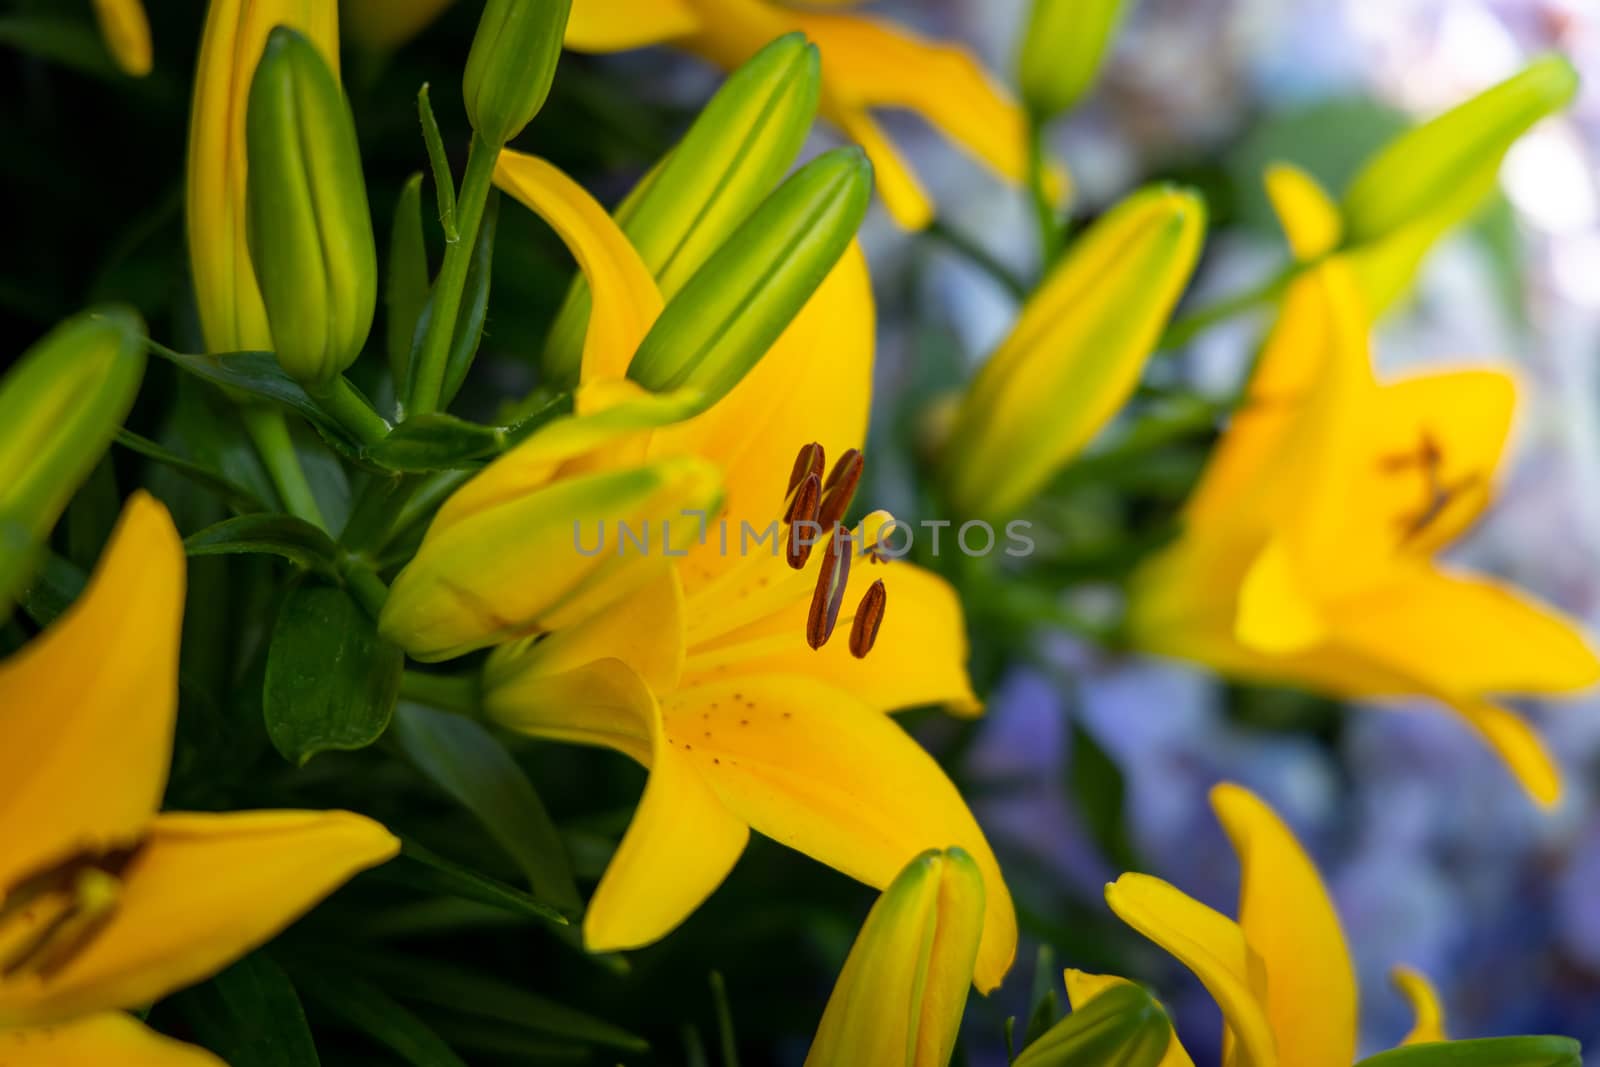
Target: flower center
(1427, 459)
(48, 918)
(814, 510)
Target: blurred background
(1087, 764)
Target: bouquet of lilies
(311, 614)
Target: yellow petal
(200, 891)
(626, 300)
(1310, 219)
(904, 987)
(127, 32)
(618, 25)
(814, 769)
(1276, 614)
(1416, 988)
(1083, 987)
(1214, 948)
(92, 700)
(897, 185)
(232, 317)
(814, 384)
(96, 1041)
(1515, 742)
(1289, 922)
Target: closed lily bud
(310, 230)
(738, 148)
(1062, 50)
(232, 318)
(1121, 1026)
(541, 539)
(903, 990)
(1075, 354)
(729, 314)
(511, 65)
(1443, 169)
(59, 408)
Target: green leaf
(1122, 1027)
(466, 761)
(237, 496)
(331, 681)
(474, 307)
(364, 1007)
(726, 1039)
(429, 872)
(69, 41)
(406, 290)
(1099, 795)
(443, 182)
(56, 583)
(1485, 1052)
(1046, 1008)
(294, 539)
(436, 442)
(250, 1016)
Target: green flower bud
(1062, 50)
(738, 148)
(1075, 354)
(511, 65)
(1484, 1052)
(60, 406)
(1122, 1027)
(727, 316)
(1442, 170)
(310, 231)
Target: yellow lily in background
(900, 997)
(1281, 973)
(707, 676)
(1307, 551)
(127, 34)
(106, 903)
(232, 316)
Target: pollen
(829, 593)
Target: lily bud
(1484, 1052)
(561, 526)
(738, 148)
(903, 990)
(733, 309)
(1075, 354)
(310, 230)
(1120, 1026)
(511, 65)
(1062, 50)
(59, 408)
(1443, 169)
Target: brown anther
(869, 616)
(840, 488)
(804, 530)
(829, 594)
(811, 460)
(805, 500)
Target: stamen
(840, 488)
(54, 915)
(869, 617)
(811, 460)
(829, 594)
(802, 517)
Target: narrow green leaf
(406, 288)
(1099, 794)
(443, 182)
(251, 1016)
(466, 761)
(474, 301)
(364, 1007)
(70, 41)
(237, 496)
(1045, 1003)
(435, 442)
(331, 681)
(424, 870)
(1543, 1051)
(294, 539)
(726, 1039)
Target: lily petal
(1212, 946)
(811, 767)
(1309, 217)
(1289, 921)
(1515, 742)
(127, 33)
(618, 25)
(93, 700)
(1416, 988)
(200, 891)
(96, 1040)
(1083, 987)
(626, 300)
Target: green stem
(363, 582)
(341, 400)
(1182, 331)
(428, 384)
(458, 693)
(425, 500)
(978, 256)
(1050, 235)
(270, 432)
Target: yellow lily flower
(1281, 973)
(711, 675)
(1307, 554)
(866, 64)
(232, 316)
(127, 34)
(106, 903)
